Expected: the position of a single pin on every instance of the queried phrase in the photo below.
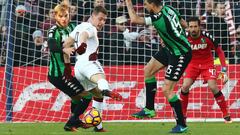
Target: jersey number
(176, 26)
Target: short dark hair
(194, 19)
(99, 9)
(156, 2)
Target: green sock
(177, 110)
(151, 88)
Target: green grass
(151, 128)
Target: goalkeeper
(202, 63)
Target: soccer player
(59, 73)
(88, 69)
(175, 56)
(202, 63)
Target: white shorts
(84, 70)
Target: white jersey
(92, 41)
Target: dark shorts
(70, 88)
(175, 64)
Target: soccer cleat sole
(142, 117)
(71, 129)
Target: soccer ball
(92, 117)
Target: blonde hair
(62, 7)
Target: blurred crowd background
(120, 41)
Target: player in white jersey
(88, 69)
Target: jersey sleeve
(83, 28)
(53, 40)
(90, 30)
(73, 33)
(148, 20)
(211, 40)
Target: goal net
(26, 94)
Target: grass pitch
(148, 128)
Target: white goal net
(26, 94)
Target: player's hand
(68, 51)
(68, 71)
(81, 49)
(223, 75)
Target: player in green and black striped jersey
(175, 55)
(59, 73)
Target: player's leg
(220, 99)
(98, 104)
(80, 107)
(175, 103)
(174, 71)
(191, 73)
(76, 91)
(187, 82)
(152, 67)
(211, 76)
(92, 88)
(97, 76)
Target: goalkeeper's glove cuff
(224, 69)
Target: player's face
(194, 29)
(62, 18)
(99, 20)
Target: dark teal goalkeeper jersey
(167, 24)
(58, 35)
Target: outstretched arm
(133, 16)
(221, 56)
(223, 74)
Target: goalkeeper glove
(68, 71)
(81, 49)
(223, 75)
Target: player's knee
(147, 72)
(213, 88)
(185, 88)
(103, 84)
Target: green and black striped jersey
(56, 38)
(167, 24)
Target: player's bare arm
(133, 16)
(67, 49)
(183, 23)
(84, 36)
(66, 58)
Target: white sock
(98, 105)
(103, 84)
(99, 126)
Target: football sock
(184, 101)
(177, 110)
(219, 97)
(80, 108)
(151, 88)
(103, 84)
(98, 104)
(73, 105)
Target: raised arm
(183, 23)
(133, 16)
